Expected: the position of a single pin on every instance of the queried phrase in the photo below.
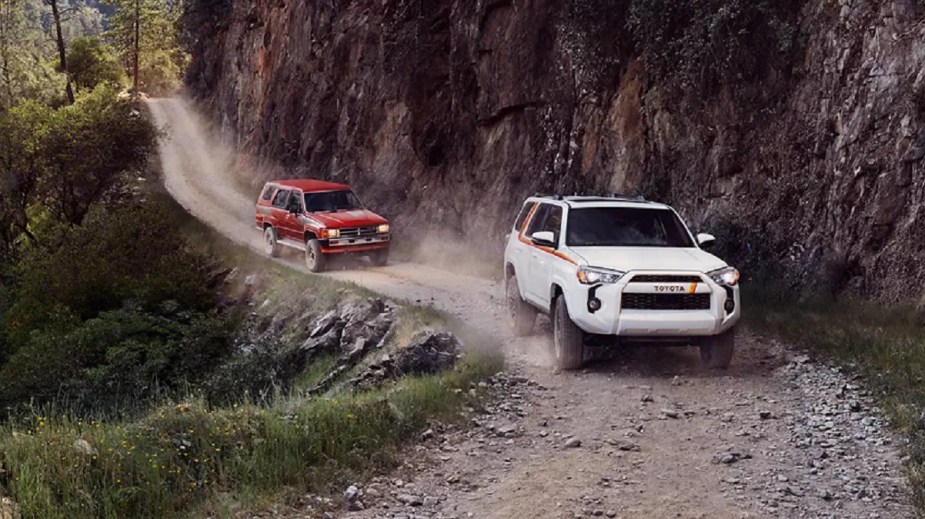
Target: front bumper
(355, 244)
(660, 321)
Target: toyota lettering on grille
(676, 289)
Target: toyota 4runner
(321, 219)
(618, 266)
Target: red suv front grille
(359, 232)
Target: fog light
(730, 306)
(594, 304)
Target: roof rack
(554, 197)
(635, 198)
(614, 196)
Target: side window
(268, 192)
(553, 222)
(281, 199)
(522, 217)
(295, 202)
(538, 222)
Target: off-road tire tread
(379, 258)
(314, 246)
(716, 352)
(273, 251)
(521, 315)
(569, 339)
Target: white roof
(602, 201)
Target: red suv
(320, 218)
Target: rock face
(803, 151)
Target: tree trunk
(62, 51)
(137, 49)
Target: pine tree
(144, 32)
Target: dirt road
(652, 435)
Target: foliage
(705, 44)
(23, 133)
(91, 63)
(179, 456)
(25, 71)
(92, 147)
(61, 162)
(157, 50)
(118, 255)
(117, 360)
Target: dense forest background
(101, 300)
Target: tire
(568, 338)
(379, 258)
(716, 352)
(520, 315)
(271, 242)
(314, 258)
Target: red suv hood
(354, 218)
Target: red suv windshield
(331, 201)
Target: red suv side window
(268, 192)
(281, 199)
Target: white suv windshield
(625, 227)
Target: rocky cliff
(794, 129)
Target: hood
(353, 218)
(628, 259)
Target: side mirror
(544, 239)
(706, 241)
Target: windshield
(331, 201)
(626, 227)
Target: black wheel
(521, 316)
(380, 257)
(716, 352)
(569, 339)
(314, 258)
(270, 242)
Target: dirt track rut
(777, 435)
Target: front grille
(654, 278)
(359, 232)
(666, 302)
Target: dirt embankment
(650, 436)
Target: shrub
(91, 63)
(119, 359)
(121, 254)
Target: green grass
(191, 459)
(885, 344)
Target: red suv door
(280, 213)
(289, 222)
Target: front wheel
(716, 351)
(521, 315)
(569, 339)
(379, 258)
(314, 258)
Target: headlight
(726, 276)
(330, 233)
(384, 228)
(594, 276)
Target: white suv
(618, 266)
